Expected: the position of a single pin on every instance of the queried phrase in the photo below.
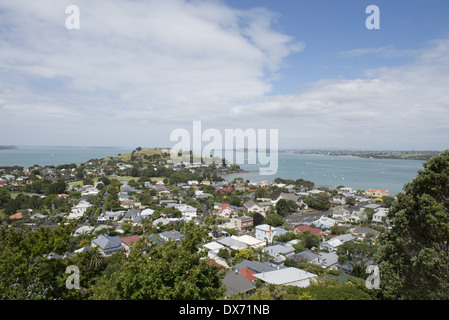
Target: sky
(136, 70)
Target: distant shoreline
(395, 155)
(8, 147)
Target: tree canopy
(414, 256)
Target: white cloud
(393, 107)
(138, 69)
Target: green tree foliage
(286, 207)
(331, 289)
(318, 201)
(162, 274)
(358, 255)
(26, 271)
(5, 196)
(414, 255)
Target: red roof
(305, 227)
(248, 274)
(225, 206)
(129, 240)
(18, 215)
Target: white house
(266, 232)
(81, 207)
(287, 276)
(380, 217)
(188, 212)
(334, 243)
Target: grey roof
(289, 196)
(131, 213)
(107, 242)
(256, 266)
(305, 256)
(328, 258)
(286, 276)
(235, 282)
(173, 235)
(38, 216)
(279, 248)
(372, 206)
(366, 230)
(232, 243)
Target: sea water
(333, 171)
(29, 156)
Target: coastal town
(282, 239)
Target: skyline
(136, 71)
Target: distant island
(7, 147)
(403, 155)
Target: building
(287, 276)
(266, 232)
(377, 193)
(107, 245)
(244, 223)
(173, 235)
(251, 206)
(277, 249)
(334, 243)
(380, 217)
(235, 283)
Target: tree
(5, 196)
(318, 201)
(358, 255)
(285, 207)
(414, 255)
(274, 219)
(162, 275)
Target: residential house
(83, 230)
(256, 266)
(244, 223)
(224, 210)
(380, 217)
(251, 242)
(107, 245)
(358, 216)
(329, 260)
(334, 243)
(287, 276)
(377, 193)
(252, 206)
(79, 209)
(279, 249)
(127, 242)
(232, 243)
(39, 217)
(110, 216)
(361, 232)
(172, 235)
(212, 249)
(146, 213)
(235, 283)
(131, 214)
(323, 222)
(266, 232)
(304, 227)
(16, 216)
(340, 214)
(307, 256)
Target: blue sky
(137, 70)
